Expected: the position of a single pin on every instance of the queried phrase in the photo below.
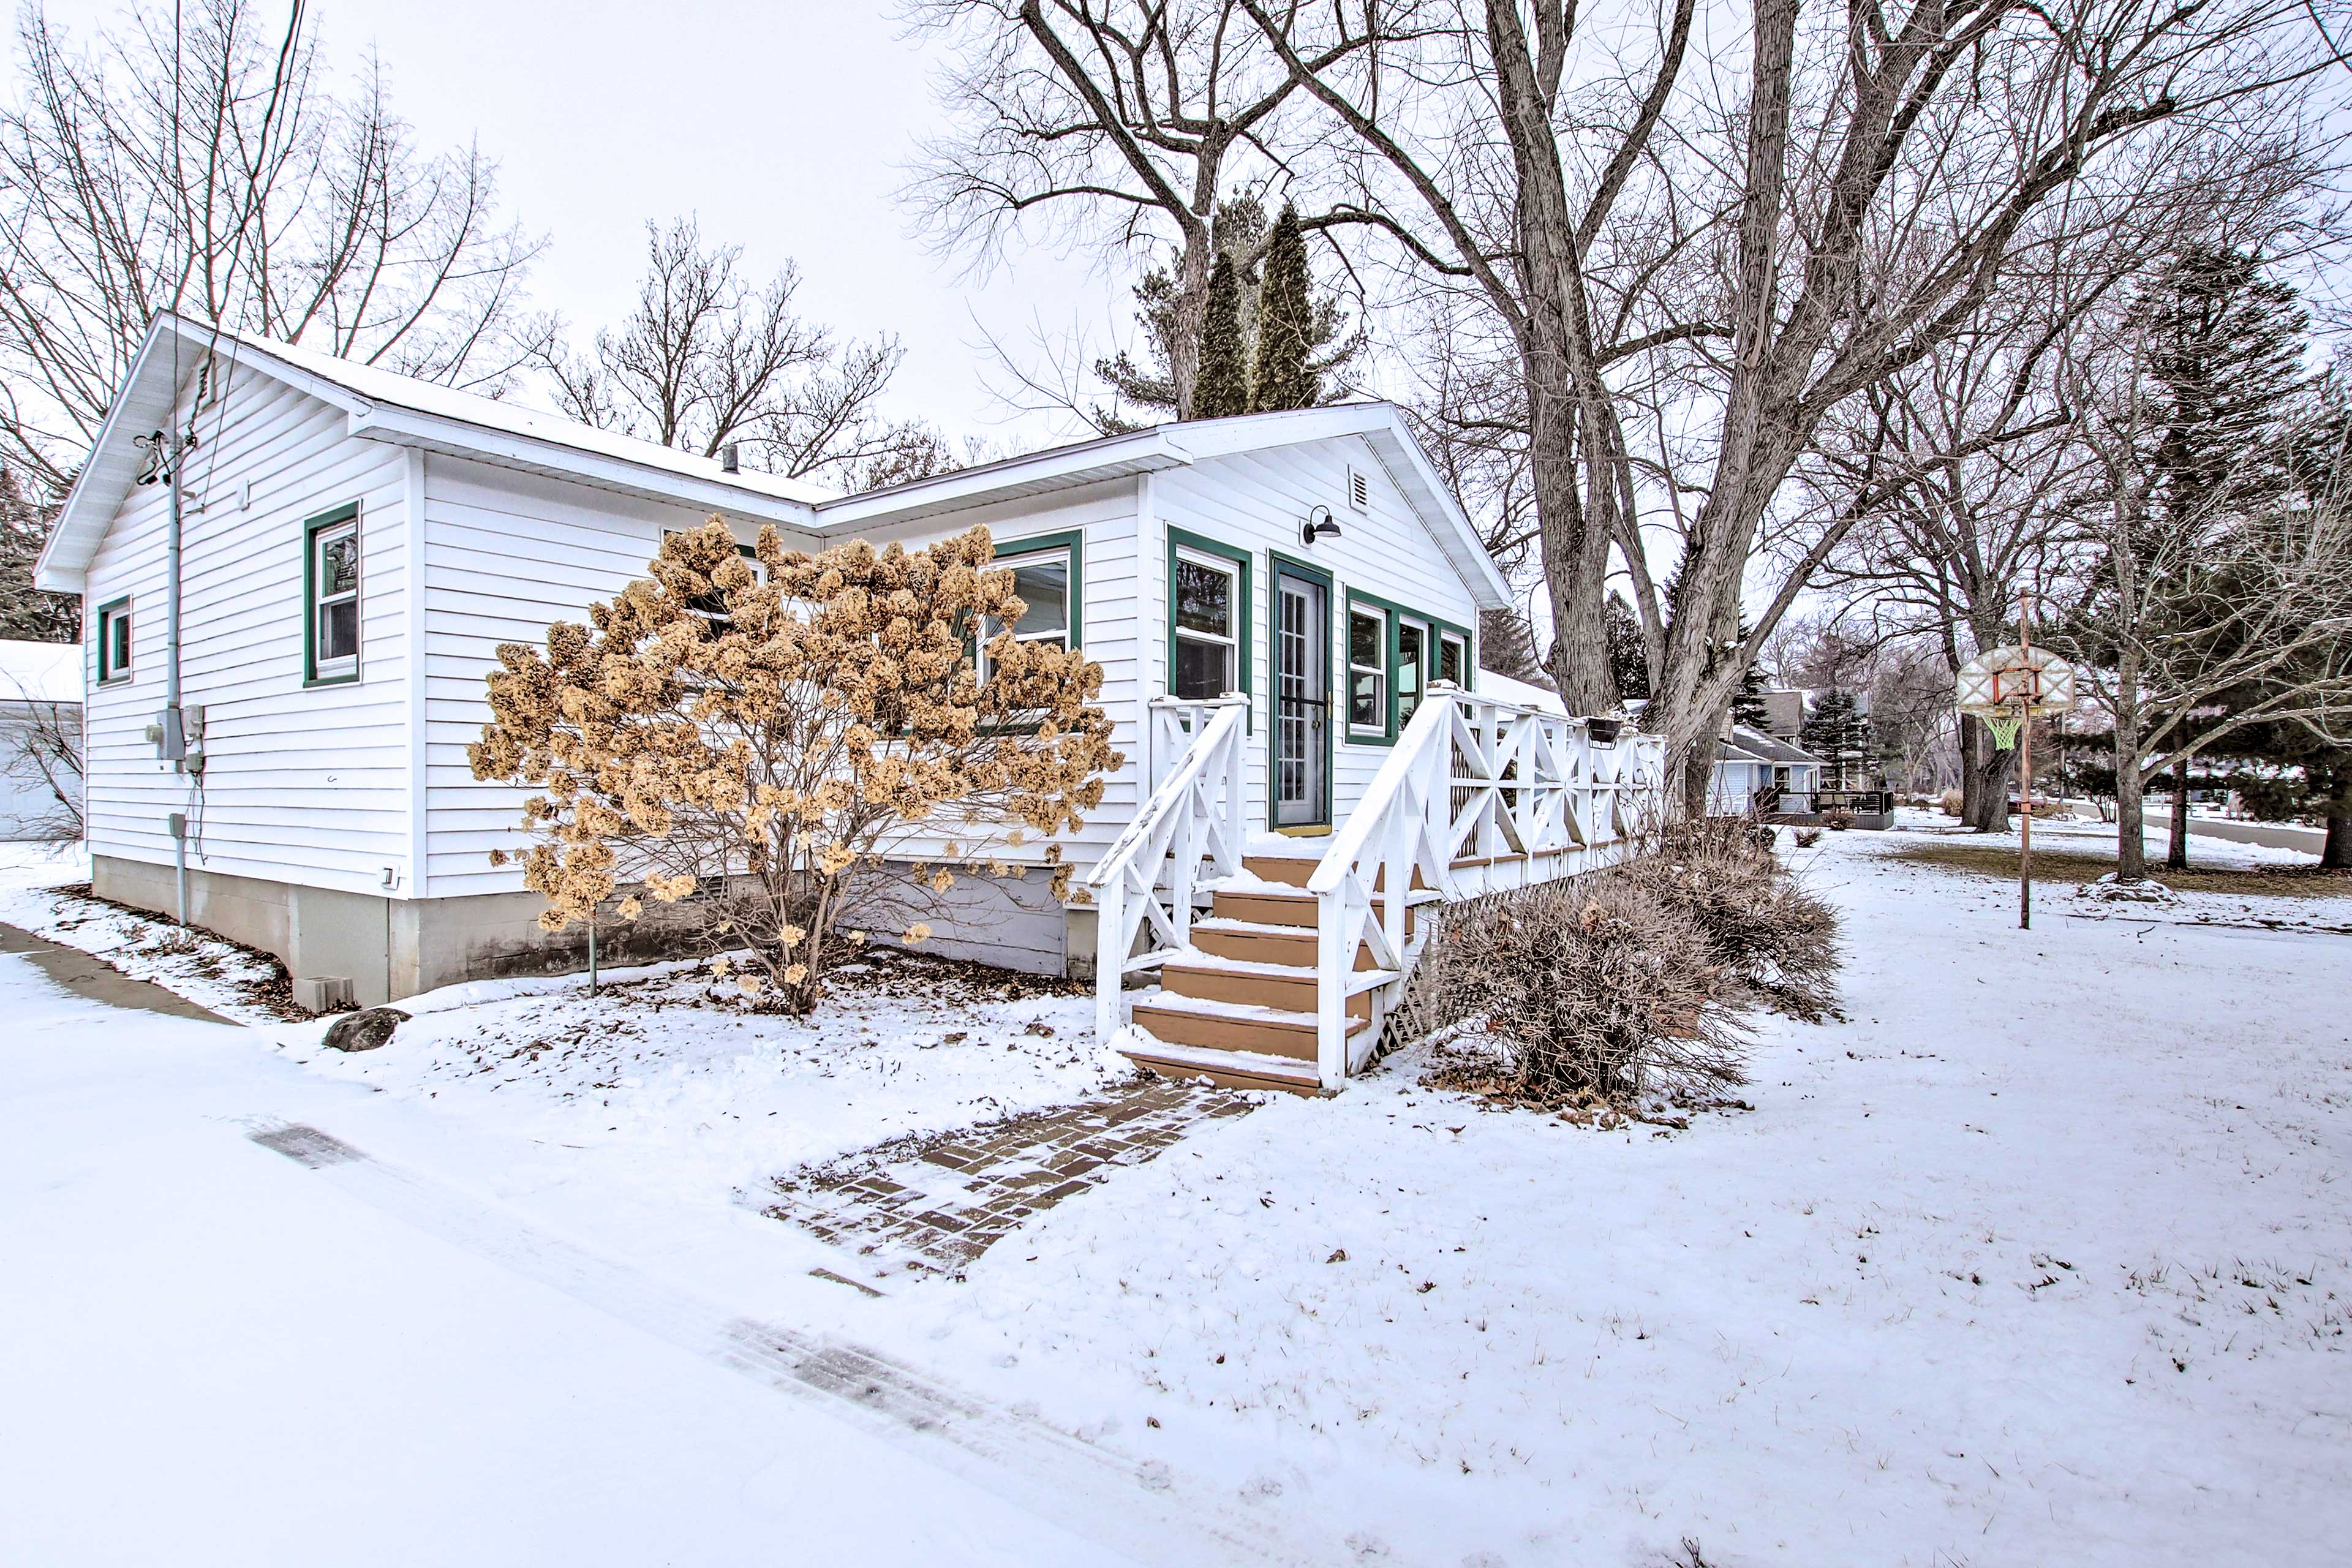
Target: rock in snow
(368, 1029)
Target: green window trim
(1390, 613)
(1276, 565)
(1244, 603)
(110, 615)
(1070, 538)
(312, 527)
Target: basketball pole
(2025, 769)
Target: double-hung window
(1211, 606)
(114, 641)
(330, 575)
(1367, 670)
(1046, 574)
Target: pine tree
(1747, 703)
(1627, 661)
(1837, 732)
(26, 613)
(1286, 323)
(1506, 645)
(1223, 387)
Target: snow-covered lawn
(2041, 1255)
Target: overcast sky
(783, 125)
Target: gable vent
(1359, 489)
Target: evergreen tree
(1506, 645)
(1286, 323)
(1627, 661)
(1223, 388)
(1837, 732)
(26, 613)
(1747, 703)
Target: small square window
(114, 642)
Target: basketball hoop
(2004, 687)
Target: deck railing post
(1110, 956)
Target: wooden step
(1292, 872)
(1288, 869)
(1285, 986)
(1281, 907)
(1226, 1070)
(1267, 943)
(1179, 1020)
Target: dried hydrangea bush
(798, 744)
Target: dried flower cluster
(791, 743)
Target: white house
(352, 545)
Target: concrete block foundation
(390, 948)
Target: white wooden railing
(1144, 887)
(1477, 796)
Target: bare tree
(2197, 624)
(1113, 123)
(1959, 465)
(1873, 180)
(213, 169)
(707, 360)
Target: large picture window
(1208, 618)
(330, 572)
(114, 641)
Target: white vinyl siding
(301, 784)
(1258, 501)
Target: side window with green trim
(1047, 573)
(331, 592)
(114, 641)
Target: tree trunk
(2176, 842)
(2131, 830)
(2335, 854)
(1985, 770)
(1698, 778)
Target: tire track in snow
(1138, 1509)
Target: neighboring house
(40, 741)
(356, 544)
(1754, 771)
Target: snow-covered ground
(2041, 1255)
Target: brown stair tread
(1227, 1069)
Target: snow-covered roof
(381, 405)
(1771, 748)
(40, 672)
(1491, 684)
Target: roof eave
(1065, 467)
(553, 459)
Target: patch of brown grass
(2074, 865)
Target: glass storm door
(1302, 701)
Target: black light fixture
(1604, 732)
(1319, 525)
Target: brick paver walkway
(932, 1203)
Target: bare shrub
(1588, 991)
(1763, 929)
(1838, 818)
(1953, 800)
(1628, 983)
